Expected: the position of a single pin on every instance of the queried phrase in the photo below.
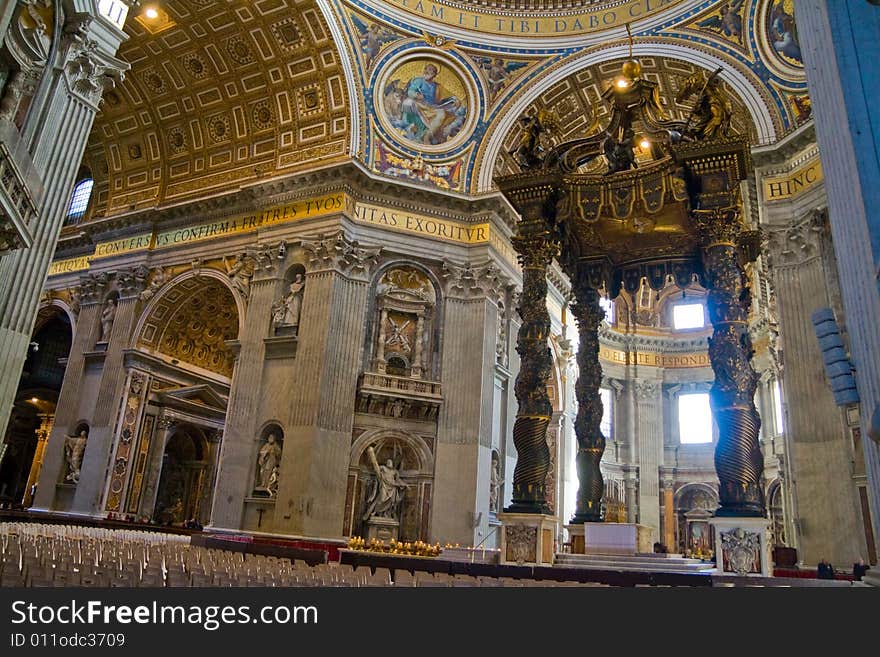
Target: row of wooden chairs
(35, 555)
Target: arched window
(79, 202)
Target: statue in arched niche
(387, 493)
(287, 310)
(74, 448)
(108, 315)
(268, 463)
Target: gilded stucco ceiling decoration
(220, 94)
(191, 323)
(576, 101)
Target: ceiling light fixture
(152, 13)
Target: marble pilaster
(649, 414)
(235, 476)
(67, 411)
(317, 445)
(464, 426)
(93, 475)
(817, 438)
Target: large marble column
(739, 463)
(464, 423)
(587, 425)
(317, 445)
(83, 68)
(536, 249)
(835, 35)
(235, 476)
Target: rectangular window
(607, 421)
(79, 202)
(688, 316)
(777, 408)
(608, 306)
(694, 419)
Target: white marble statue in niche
(108, 315)
(495, 482)
(268, 462)
(74, 448)
(287, 310)
(387, 492)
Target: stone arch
(55, 305)
(33, 408)
(190, 320)
(739, 78)
(774, 496)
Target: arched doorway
(181, 483)
(33, 413)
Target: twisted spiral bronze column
(587, 425)
(738, 460)
(536, 249)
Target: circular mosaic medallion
(781, 34)
(426, 101)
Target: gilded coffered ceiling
(191, 322)
(220, 93)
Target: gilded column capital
(798, 242)
(268, 258)
(535, 249)
(726, 227)
(473, 281)
(132, 281)
(92, 288)
(88, 69)
(340, 253)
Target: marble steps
(640, 563)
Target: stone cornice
(783, 150)
(350, 177)
(657, 344)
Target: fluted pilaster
(235, 475)
(65, 121)
(323, 386)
